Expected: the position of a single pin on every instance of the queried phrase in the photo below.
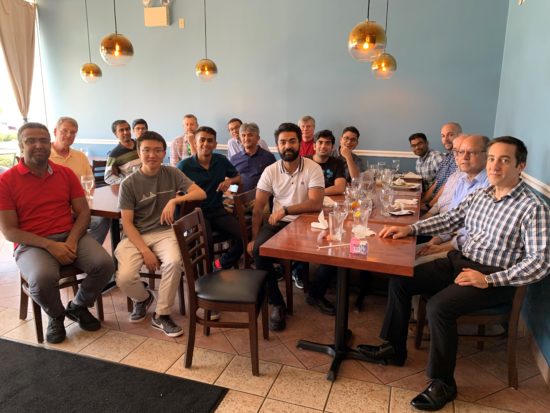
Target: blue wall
(523, 111)
(279, 60)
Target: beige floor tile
(400, 402)
(156, 355)
(514, 400)
(279, 354)
(9, 319)
(277, 406)
(299, 326)
(536, 388)
(239, 402)
(351, 396)
(416, 382)
(77, 339)
(238, 376)
(475, 383)
(206, 367)
(303, 387)
(351, 369)
(26, 331)
(466, 407)
(215, 341)
(113, 346)
(240, 341)
(308, 358)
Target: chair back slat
(244, 204)
(98, 170)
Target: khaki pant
(130, 261)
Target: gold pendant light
(384, 66)
(205, 69)
(90, 72)
(116, 49)
(366, 40)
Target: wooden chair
(98, 170)
(68, 277)
(504, 314)
(232, 290)
(244, 204)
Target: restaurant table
(105, 204)
(298, 241)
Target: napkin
(361, 231)
(328, 202)
(399, 181)
(402, 212)
(412, 175)
(412, 201)
(322, 222)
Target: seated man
(147, 202)
(123, 159)
(428, 159)
(184, 146)
(353, 164)
(215, 174)
(494, 260)
(307, 126)
(253, 159)
(333, 168)
(43, 210)
(62, 154)
(139, 127)
(235, 143)
(297, 186)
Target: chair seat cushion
(235, 286)
(496, 310)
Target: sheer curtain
(17, 19)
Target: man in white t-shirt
(297, 186)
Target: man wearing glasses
(353, 164)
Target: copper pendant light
(116, 49)
(205, 69)
(366, 40)
(90, 72)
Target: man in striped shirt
(507, 246)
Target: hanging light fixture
(205, 69)
(384, 66)
(116, 49)
(90, 72)
(366, 40)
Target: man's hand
(276, 216)
(471, 277)
(395, 232)
(150, 260)
(167, 215)
(345, 152)
(62, 252)
(250, 247)
(224, 185)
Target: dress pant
(448, 301)
(227, 225)
(266, 263)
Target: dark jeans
(266, 263)
(221, 221)
(448, 302)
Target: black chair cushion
(235, 286)
(496, 310)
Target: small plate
(402, 212)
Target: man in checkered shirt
(428, 159)
(507, 246)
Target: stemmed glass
(386, 177)
(88, 184)
(386, 198)
(395, 164)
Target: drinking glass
(386, 177)
(386, 198)
(87, 183)
(335, 225)
(395, 164)
(361, 215)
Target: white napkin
(322, 222)
(412, 201)
(402, 212)
(412, 175)
(360, 231)
(399, 181)
(328, 202)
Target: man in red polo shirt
(43, 210)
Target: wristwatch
(286, 210)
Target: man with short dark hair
(494, 260)
(353, 164)
(235, 143)
(184, 146)
(43, 211)
(297, 186)
(215, 174)
(123, 159)
(139, 126)
(428, 159)
(147, 201)
(253, 159)
(333, 168)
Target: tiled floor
(290, 380)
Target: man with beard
(428, 159)
(123, 159)
(297, 186)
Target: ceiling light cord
(368, 10)
(88, 31)
(114, 11)
(386, 26)
(205, 42)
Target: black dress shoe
(277, 320)
(322, 304)
(384, 352)
(435, 397)
(55, 333)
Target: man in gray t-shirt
(147, 202)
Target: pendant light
(384, 66)
(90, 72)
(205, 69)
(116, 49)
(366, 40)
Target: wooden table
(298, 241)
(105, 204)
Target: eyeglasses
(351, 140)
(469, 153)
(156, 151)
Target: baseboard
(540, 360)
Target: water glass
(335, 225)
(386, 198)
(361, 214)
(87, 182)
(386, 177)
(395, 164)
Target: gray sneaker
(140, 309)
(165, 324)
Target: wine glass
(395, 164)
(386, 198)
(87, 182)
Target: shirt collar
(24, 169)
(299, 169)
